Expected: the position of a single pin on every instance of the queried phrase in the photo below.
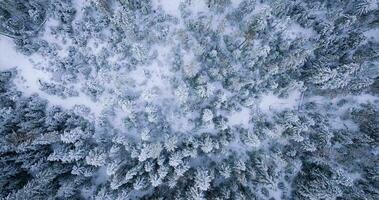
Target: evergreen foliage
(246, 99)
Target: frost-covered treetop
(189, 99)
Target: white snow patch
(235, 3)
(79, 5)
(271, 102)
(276, 194)
(180, 122)
(353, 101)
(294, 31)
(372, 34)
(60, 42)
(155, 75)
(338, 123)
(240, 118)
(356, 99)
(28, 76)
(260, 8)
(101, 176)
(197, 6)
(27, 80)
(171, 7)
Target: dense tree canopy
(214, 99)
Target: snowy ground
(169, 77)
(151, 80)
(29, 76)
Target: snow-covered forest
(189, 99)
